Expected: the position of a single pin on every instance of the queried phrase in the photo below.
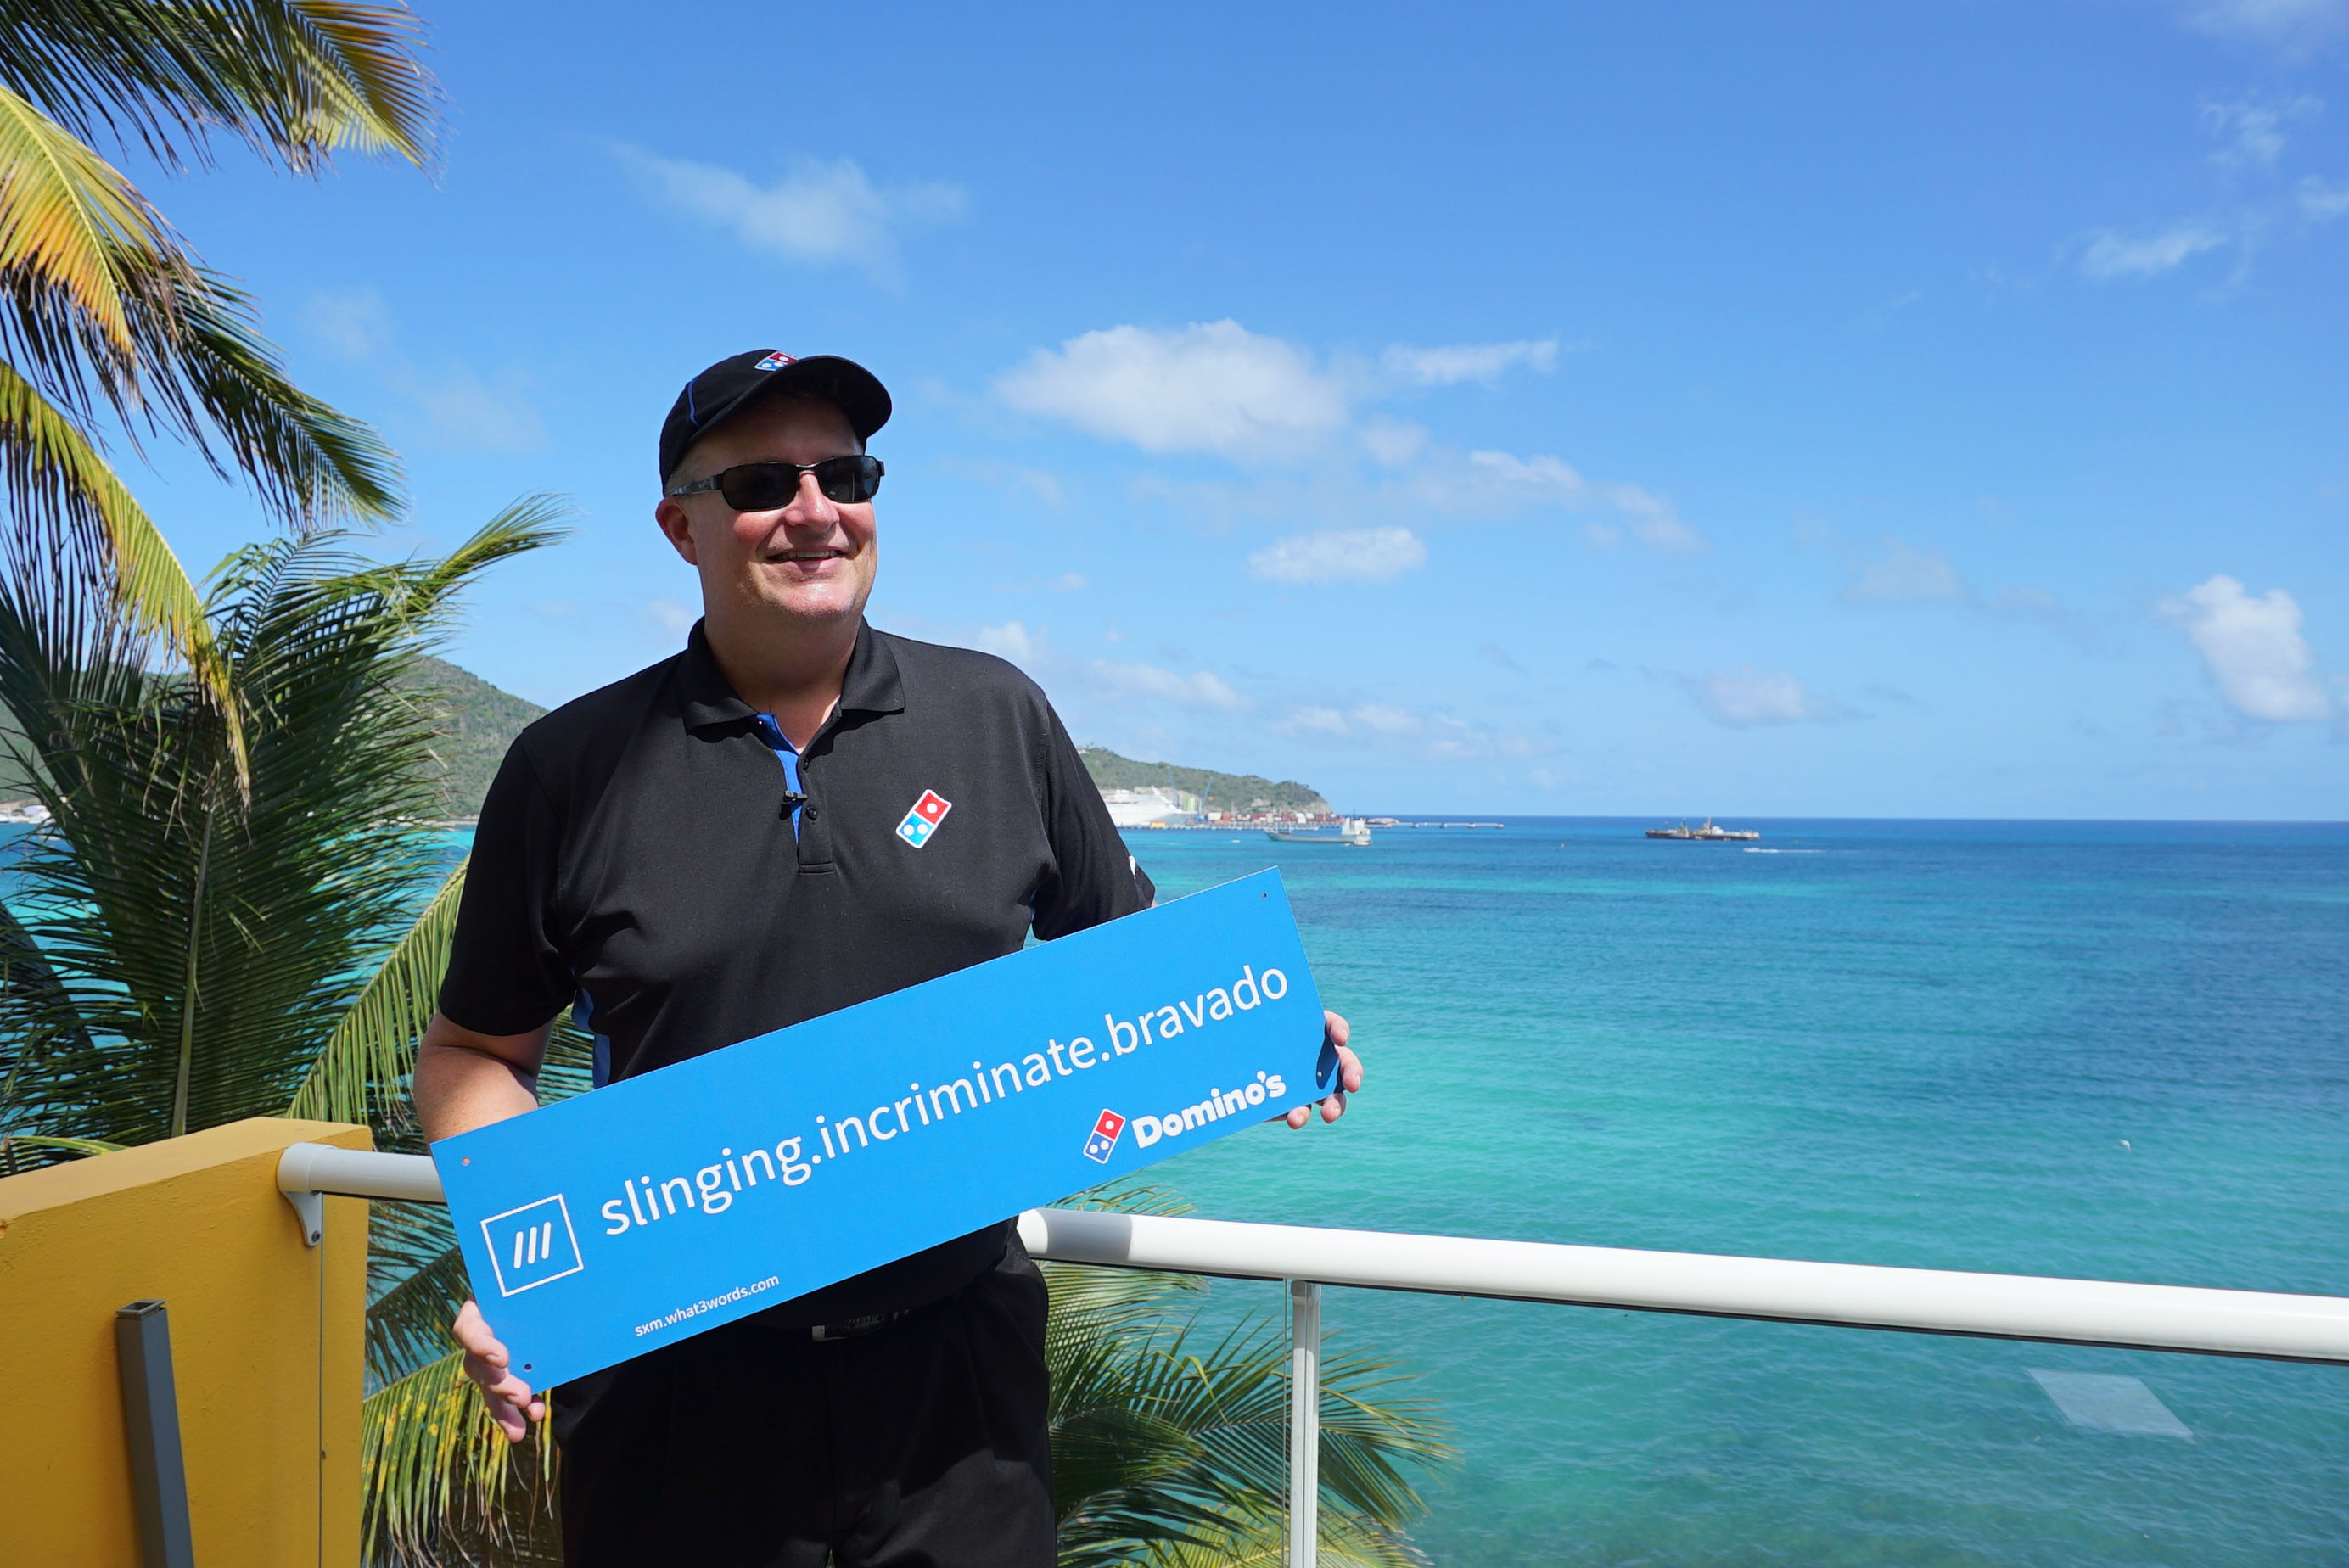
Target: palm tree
(220, 920)
(201, 935)
(1168, 1449)
(1170, 1445)
(105, 310)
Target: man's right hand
(512, 1403)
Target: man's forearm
(465, 1080)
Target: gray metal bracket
(310, 1208)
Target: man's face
(812, 559)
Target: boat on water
(1708, 834)
(1351, 831)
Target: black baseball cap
(727, 387)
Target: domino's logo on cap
(776, 360)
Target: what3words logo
(923, 819)
(531, 1245)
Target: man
(708, 850)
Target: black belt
(856, 1327)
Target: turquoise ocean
(2109, 1050)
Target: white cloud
(1014, 641)
(2252, 649)
(1654, 523)
(1202, 688)
(1467, 361)
(356, 323)
(1341, 555)
(481, 415)
(1393, 442)
(1745, 695)
(1209, 387)
(821, 212)
(2253, 131)
(1216, 388)
(1650, 517)
(2111, 256)
(1904, 575)
(1392, 727)
(670, 615)
(2321, 202)
(1552, 477)
(463, 409)
(1384, 718)
(2288, 23)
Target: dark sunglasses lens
(768, 487)
(759, 486)
(849, 479)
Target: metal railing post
(1304, 1423)
(150, 1422)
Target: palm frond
(308, 464)
(23, 1152)
(102, 306)
(440, 1483)
(38, 1019)
(1258, 1538)
(415, 1283)
(296, 80)
(1174, 1443)
(59, 484)
(528, 523)
(212, 940)
(69, 222)
(360, 1073)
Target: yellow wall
(267, 1337)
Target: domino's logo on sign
(923, 819)
(531, 1245)
(1103, 1142)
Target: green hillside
(1217, 791)
(478, 722)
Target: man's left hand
(1350, 1073)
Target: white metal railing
(2265, 1325)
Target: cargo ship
(1351, 831)
(1708, 834)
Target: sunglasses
(769, 486)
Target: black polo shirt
(637, 854)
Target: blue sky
(1918, 410)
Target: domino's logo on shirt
(531, 1245)
(923, 819)
(1103, 1143)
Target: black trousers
(922, 1444)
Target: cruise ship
(1146, 806)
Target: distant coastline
(475, 722)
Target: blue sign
(603, 1226)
